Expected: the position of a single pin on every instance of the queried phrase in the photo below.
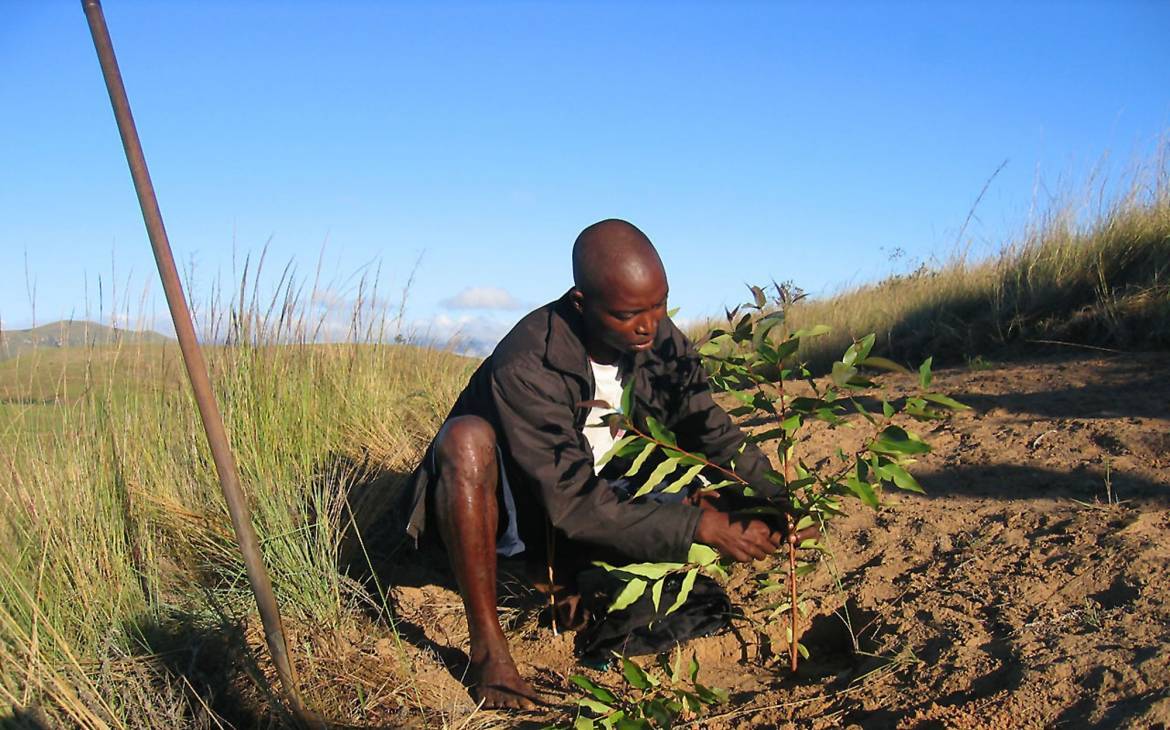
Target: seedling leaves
(614, 450)
(630, 593)
(660, 472)
(896, 440)
(600, 693)
(946, 401)
(634, 674)
(924, 376)
(636, 466)
(688, 583)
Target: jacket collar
(565, 343)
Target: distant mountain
(72, 334)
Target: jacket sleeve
(539, 434)
(702, 425)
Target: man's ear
(578, 298)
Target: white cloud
(481, 297)
(465, 333)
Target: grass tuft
(1101, 283)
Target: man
(516, 451)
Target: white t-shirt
(609, 389)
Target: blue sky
(750, 141)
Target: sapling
(754, 360)
(654, 698)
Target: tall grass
(117, 563)
(1099, 280)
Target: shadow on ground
(1019, 482)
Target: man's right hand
(738, 537)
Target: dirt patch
(1030, 587)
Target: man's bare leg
(468, 514)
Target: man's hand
(743, 538)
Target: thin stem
(793, 654)
(792, 651)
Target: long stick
(225, 463)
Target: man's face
(623, 317)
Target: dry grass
(122, 598)
(1104, 282)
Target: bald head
(619, 288)
(613, 253)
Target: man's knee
(466, 446)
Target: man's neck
(601, 353)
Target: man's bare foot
(496, 683)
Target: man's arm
(539, 434)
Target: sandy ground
(1030, 587)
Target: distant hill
(72, 334)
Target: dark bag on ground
(639, 629)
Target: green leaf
(763, 327)
(653, 571)
(618, 445)
(924, 376)
(636, 466)
(860, 408)
(787, 349)
(947, 401)
(656, 593)
(586, 684)
(660, 472)
(887, 409)
(594, 705)
(850, 356)
(864, 345)
(634, 674)
(671, 312)
(688, 583)
(758, 296)
(881, 363)
(903, 479)
(814, 331)
(896, 440)
(687, 477)
(660, 432)
(743, 328)
(842, 373)
(693, 669)
(761, 436)
(710, 348)
(656, 710)
(711, 695)
(863, 490)
(630, 593)
(701, 554)
(584, 723)
(628, 398)
(802, 649)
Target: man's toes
(506, 698)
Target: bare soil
(1030, 586)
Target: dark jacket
(532, 389)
